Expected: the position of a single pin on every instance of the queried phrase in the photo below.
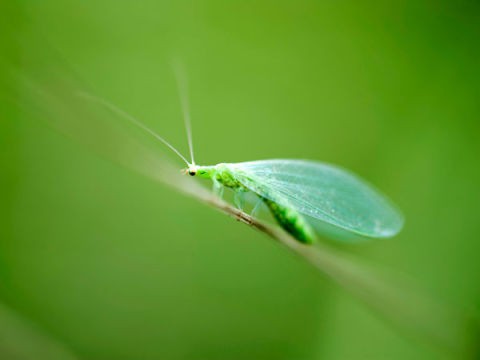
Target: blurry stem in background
(22, 340)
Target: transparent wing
(323, 192)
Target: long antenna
(182, 84)
(130, 118)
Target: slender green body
(287, 217)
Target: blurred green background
(99, 263)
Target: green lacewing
(306, 198)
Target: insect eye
(191, 173)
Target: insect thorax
(220, 173)
(226, 177)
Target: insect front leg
(218, 188)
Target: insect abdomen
(291, 221)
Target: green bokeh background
(114, 266)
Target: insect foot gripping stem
(291, 221)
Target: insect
(305, 197)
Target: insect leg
(256, 208)
(239, 199)
(218, 188)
